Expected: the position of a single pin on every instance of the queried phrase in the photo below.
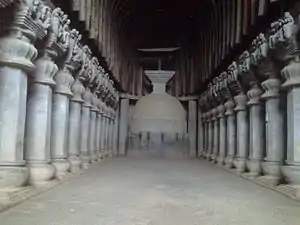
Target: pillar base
(214, 158)
(76, 164)
(229, 162)
(241, 165)
(94, 157)
(272, 171)
(62, 167)
(255, 167)
(291, 174)
(85, 161)
(13, 176)
(221, 160)
(99, 155)
(41, 173)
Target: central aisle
(128, 191)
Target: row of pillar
(233, 133)
(249, 118)
(58, 108)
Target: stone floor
(155, 192)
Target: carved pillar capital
(254, 95)
(229, 106)
(17, 50)
(241, 102)
(214, 113)
(94, 103)
(64, 80)
(78, 90)
(87, 97)
(271, 87)
(45, 71)
(291, 75)
(221, 111)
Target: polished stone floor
(153, 191)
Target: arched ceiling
(157, 23)
(209, 33)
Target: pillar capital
(17, 49)
(254, 95)
(229, 106)
(87, 97)
(94, 103)
(78, 90)
(272, 88)
(221, 111)
(64, 80)
(291, 75)
(214, 114)
(241, 102)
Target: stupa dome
(158, 111)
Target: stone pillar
(102, 134)
(60, 118)
(38, 122)
(292, 84)
(210, 135)
(274, 131)
(205, 132)
(242, 132)
(111, 139)
(106, 127)
(222, 135)
(116, 133)
(16, 56)
(200, 133)
(192, 128)
(231, 133)
(92, 132)
(124, 119)
(85, 128)
(98, 131)
(75, 126)
(215, 125)
(256, 128)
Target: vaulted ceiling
(209, 34)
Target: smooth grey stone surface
(155, 191)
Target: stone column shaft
(215, 148)
(242, 132)
(16, 56)
(231, 133)
(291, 171)
(85, 129)
(98, 135)
(92, 136)
(222, 135)
(192, 128)
(210, 136)
(256, 126)
(60, 114)
(274, 131)
(38, 122)
(75, 127)
(124, 117)
(200, 136)
(116, 133)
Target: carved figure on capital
(261, 58)
(283, 38)
(234, 85)
(246, 76)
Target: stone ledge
(291, 191)
(13, 197)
